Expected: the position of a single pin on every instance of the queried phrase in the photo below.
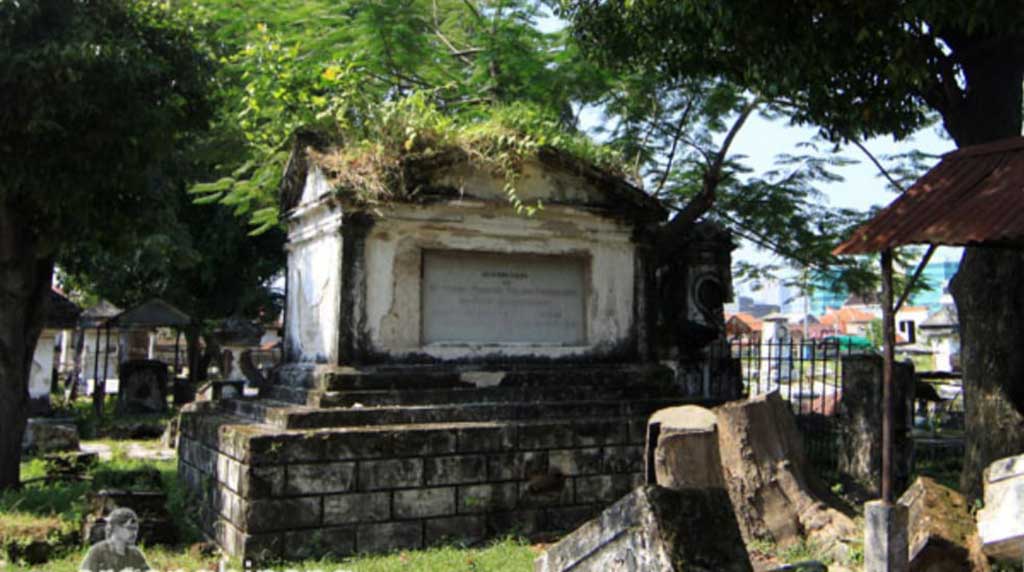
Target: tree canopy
(92, 95)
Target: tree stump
(766, 473)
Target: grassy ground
(509, 555)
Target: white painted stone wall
(481, 220)
(314, 287)
(42, 365)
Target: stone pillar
(885, 537)
(860, 422)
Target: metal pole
(177, 344)
(96, 361)
(888, 405)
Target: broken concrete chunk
(654, 529)
(686, 455)
(1001, 522)
(939, 528)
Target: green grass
(507, 555)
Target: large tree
(92, 94)
(859, 69)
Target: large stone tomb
(454, 370)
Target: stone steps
(449, 396)
(291, 417)
(452, 377)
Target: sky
(863, 186)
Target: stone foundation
(387, 469)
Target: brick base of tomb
(341, 461)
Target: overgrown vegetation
(368, 157)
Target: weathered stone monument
(454, 370)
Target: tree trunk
(24, 279)
(989, 286)
(989, 293)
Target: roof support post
(889, 339)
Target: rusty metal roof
(974, 196)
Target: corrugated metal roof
(974, 196)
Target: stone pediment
(550, 177)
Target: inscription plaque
(474, 297)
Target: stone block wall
(266, 493)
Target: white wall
(314, 286)
(481, 220)
(42, 365)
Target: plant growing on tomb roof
(370, 162)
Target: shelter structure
(986, 181)
(91, 323)
(455, 369)
(151, 314)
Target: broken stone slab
(654, 529)
(767, 476)
(940, 529)
(686, 452)
(1001, 522)
(45, 435)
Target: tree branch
(878, 165)
(712, 177)
(675, 145)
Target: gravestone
(940, 531)
(142, 387)
(860, 422)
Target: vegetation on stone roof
(371, 163)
